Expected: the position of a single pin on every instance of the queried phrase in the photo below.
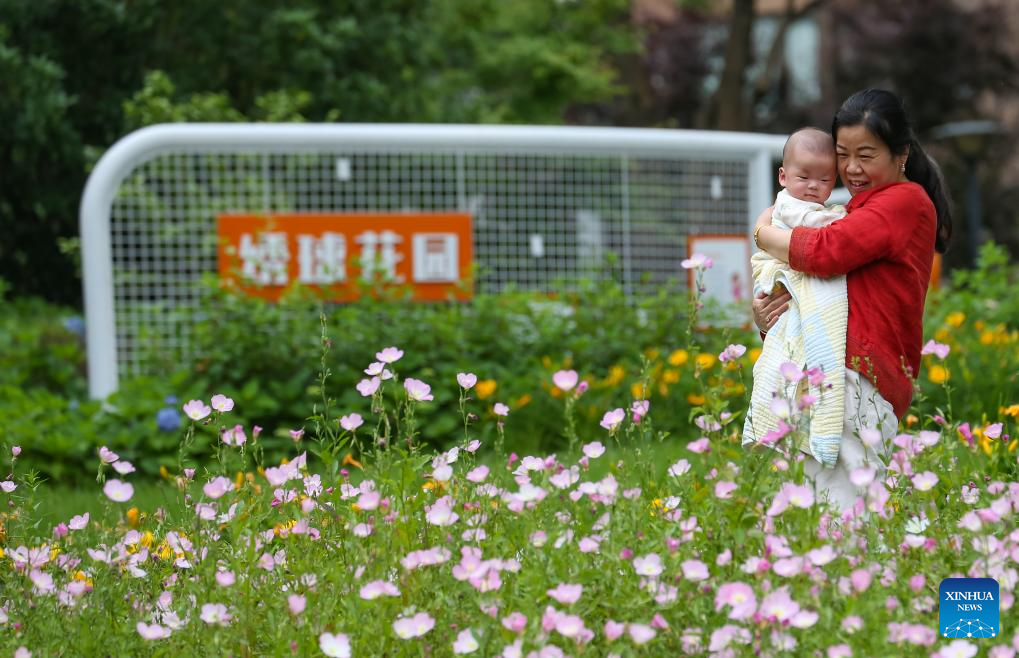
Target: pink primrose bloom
(465, 643)
(699, 446)
(467, 380)
(152, 631)
(107, 456)
(697, 261)
(732, 352)
(411, 627)
(566, 593)
(612, 419)
(694, 570)
(515, 622)
(334, 646)
(296, 603)
(649, 565)
(417, 390)
(367, 387)
(939, 350)
(739, 597)
(196, 410)
(117, 491)
(500, 409)
(351, 422)
(217, 487)
(724, 489)
(389, 355)
(925, 481)
(641, 633)
(221, 403)
(123, 467)
(593, 450)
(565, 380)
(215, 614)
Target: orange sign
(265, 254)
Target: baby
(812, 334)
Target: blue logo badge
(968, 607)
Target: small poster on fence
(728, 283)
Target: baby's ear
(781, 176)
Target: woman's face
(865, 161)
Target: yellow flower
(1012, 446)
(942, 335)
(985, 444)
(679, 357)
(755, 354)
(147, 539)
(705, 361)
(348, 460)
(663, 389)
(938, 374)
(651, 353)
(955, 319)
(54, 552)
(239, 479)
(132, 517)
(164, 473)
(911, 420)
(986, 337)
(695, 399)
(670, 376)
(637, 391)
(484, 388)
(547, 362)
(1012, 410)
(616, 375)
(979, 325)
(522, 401)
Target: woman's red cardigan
(885, 247)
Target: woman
(898, 216)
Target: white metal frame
(759, 151)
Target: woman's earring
(902, 167)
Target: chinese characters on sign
(265, 254)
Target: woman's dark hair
(883, 114)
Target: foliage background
(78, 75)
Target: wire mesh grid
(541, 221)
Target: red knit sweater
(885, 247)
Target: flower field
(588, 503)
(605, 548)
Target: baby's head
(808, 165)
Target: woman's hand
(768, 308)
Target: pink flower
(649, 565)
(840, 651)
(107, 456)
(296, 603)
(78, 522)
(123, 467)
(566, 593)
(565, 380)
(221, 403)
(351, 422)
(593, 450)
(368, 500)
(153, 631)
(639, 409)
(791, 371)
(465, 643)
(699, 446)
(697, 262)
(732, 352)
(367, 387)
(679, 468)
(217, 487)
(860, 579)
(417, 390)
(411, 627)
(940, 350)
(478, 474)
(334, 646)
(8, 486)
(723, 490)
(861, 477)
(500, 409)
(196, 410)
(515, 622)
(641, 633)
(377, 588)
(215, 614)
(694, 570)
(117, 491)
(613, 630)
(467, 380)
(389, 355)
(778, 605)
(958, 649)
(740, 599)
(15, 450)
(993, 431)
(612, 419)
(925, 481)
(225, 578)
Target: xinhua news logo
(968, 607)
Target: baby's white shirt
(792, 212)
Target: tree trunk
(729, 101)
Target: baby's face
(808, 176)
